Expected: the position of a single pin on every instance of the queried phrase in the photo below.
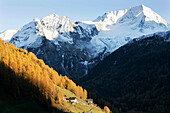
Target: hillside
(22, 75)
(136, 77)
(19, 105)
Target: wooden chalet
(89, 101)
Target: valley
(116, 63)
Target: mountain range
(73, 48)
(121, 58)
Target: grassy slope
(77, 107)
(26, 104)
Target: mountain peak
(144, 7)
(54, 21)
(146, 14)
(141, 6)
(52, 16)
(137, 13)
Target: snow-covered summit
(119, 27)
(7, 35)
(141, 16)
(111, 17)
(53, 25)
(50, 27)
(55, 22)
(152, 16)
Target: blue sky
(16, 13)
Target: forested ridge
(135, 78)
(23, 74)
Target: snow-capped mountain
(119, 27)
(62, 44)
(54, 28)
(139, 15)
(73, 48)
(7, 35)
(49, 27)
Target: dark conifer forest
(135, 78)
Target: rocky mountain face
(79, 46)
(134, 78)
(62, 44)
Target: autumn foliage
(106, 109)
(24, 74)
